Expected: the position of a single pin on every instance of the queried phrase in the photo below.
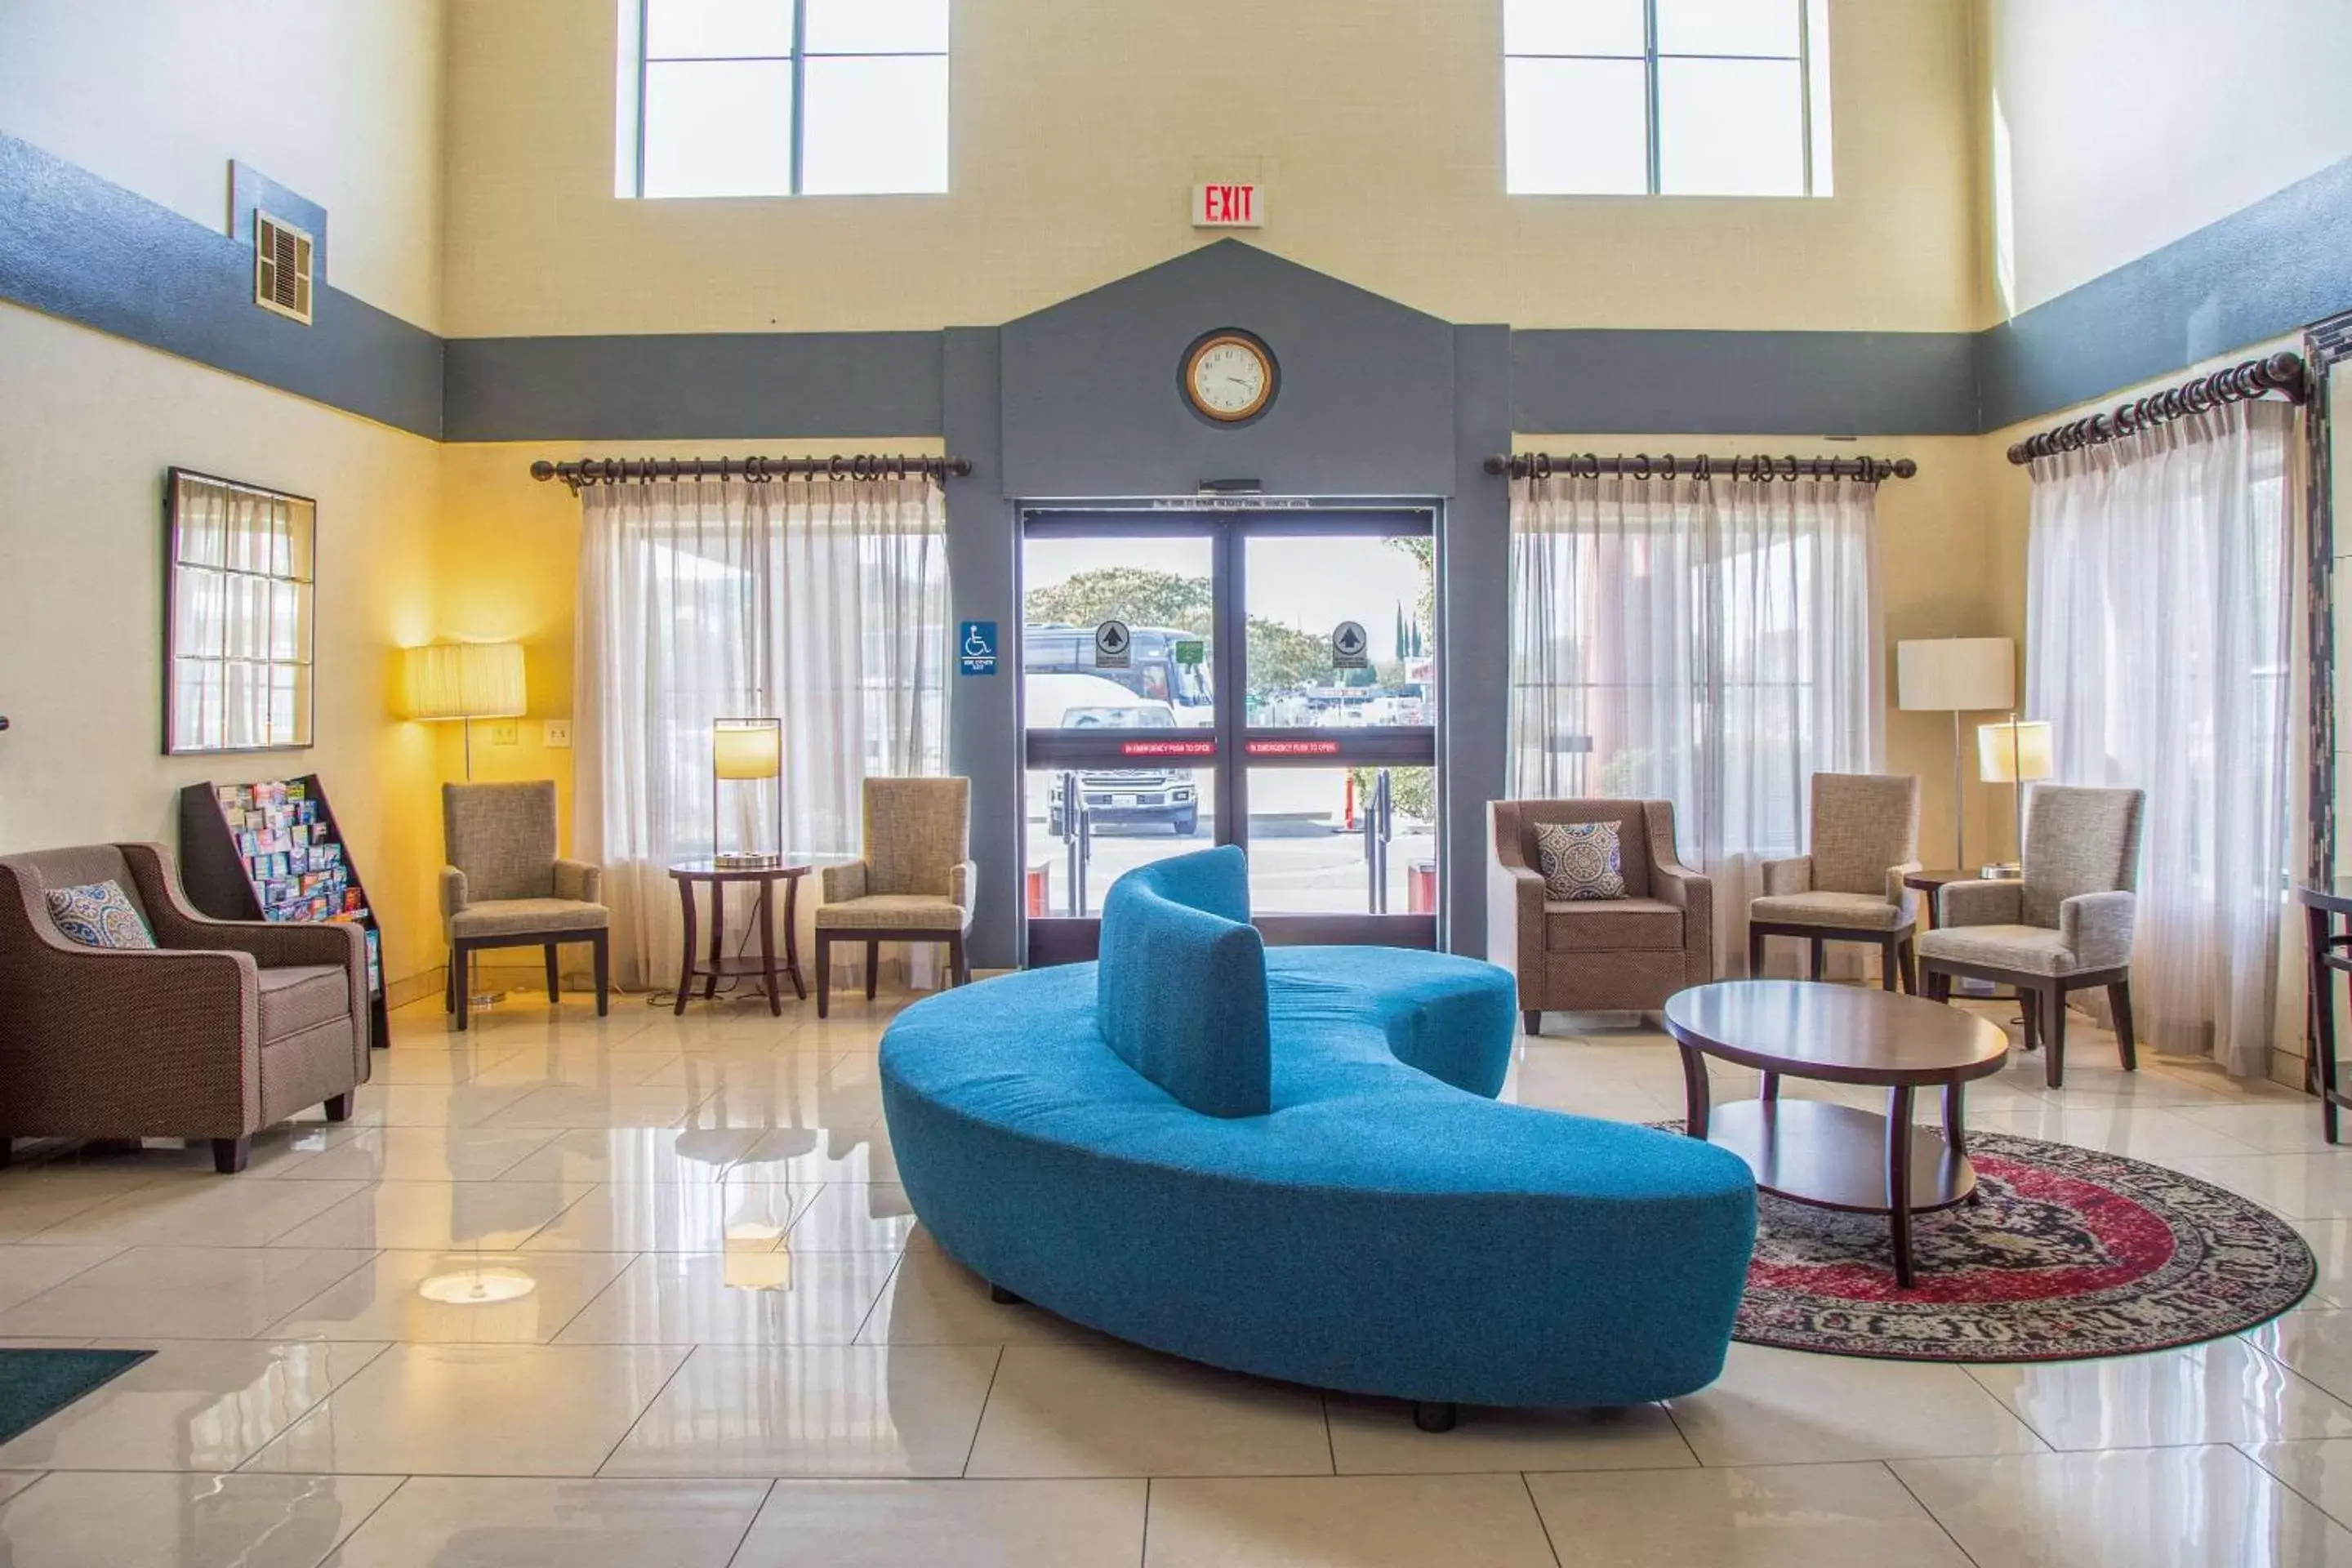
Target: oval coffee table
(1838, 1156)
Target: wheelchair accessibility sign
(976, 644)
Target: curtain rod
(2282, 373)
(1642, 465)
(647, 470)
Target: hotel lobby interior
(894, 782)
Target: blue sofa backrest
(1181, 992)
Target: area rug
(2072, 1253)
(34, 1384)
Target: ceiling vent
(281, 267)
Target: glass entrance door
(1263, 678)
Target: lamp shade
(746, 748)
(1955, 674)
(2013, 751)
(463, 681)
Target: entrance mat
(34, 1384)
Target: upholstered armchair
(222, 1028)
(914, 882)
(1597, 955)
(504, 885)
(1848, 886)
(2065, 925)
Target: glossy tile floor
(644, 1290)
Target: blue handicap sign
(976, 644)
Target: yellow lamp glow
(745, 751)
(464, 681)
(2015, 752)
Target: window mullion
(799, 86)
(645, 52)
(1650, 72)
(1805, 89)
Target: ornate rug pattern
(2072, 1253)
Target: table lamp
(1956, 675)
(464, 682)
(743, 750)
(2013, 754)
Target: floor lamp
(464, 681)
(1956, 676)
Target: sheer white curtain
(2158, 646)
(1713, 643)
(823, 603)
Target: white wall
(2131, 123)
(340, 99)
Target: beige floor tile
(2139, 1507)
(222, 1212)
(2315, 1343)
(577, 1105)
(569, 1524)
(70, 1520)
(194, 1405)
(577, 1065)
(971, 1524)
(833, 1152)
(2265, 1128)
(430, 1105)
(641, 1155)
(932, 1300)
(2299, 1186)
(29, 1206)
(2222, 1392)
(754, 1296)
(1776, 1406)
(813, 1411)
(2162, 1135)
(183, 1293)
(675, 1216)
(2331, 1250)
(1377, 1437)
(856, 1216)
(454, 1298)
(425, 1067)
(27, 1271)
(421, 1154)
(1113, 1410)
(478, 1410)
(1345, 1522)
(1776, 1516)
(492, 1216)
(2320, 1471)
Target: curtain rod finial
(542, 471)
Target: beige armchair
(914, 883)
(2066, 925)
(224, 1027)
(1599, 954)
(1849, 887)
(504, 885)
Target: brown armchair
(1597, 955)
(223, 1028)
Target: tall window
(240, 616)
(778, 97)
(1678, 98)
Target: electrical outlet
(558, 735)
(506, 732)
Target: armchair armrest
(271, 944)
(962, 878)
(1996, 902)
(839, 884)
(1901, 896)
(2097, 928)
(454, 898)
(1515, 903)
(1794, 875)
(578, 881)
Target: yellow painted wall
(87, 424)
(1078, 129)
(1940, 576)
(340, 99)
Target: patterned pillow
(99, 915)
(1581, 859)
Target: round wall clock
(1229, 375)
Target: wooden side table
(1928, 882)
(709, 970)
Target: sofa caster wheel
(1431, 1417)
(1003, 1297)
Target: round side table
(717, 964)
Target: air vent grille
(281, 268)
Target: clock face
(1229, 377)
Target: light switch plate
(558, 734)
(506, 732)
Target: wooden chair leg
(2029, 1003)
(2126, 1046)
(1533, 1021)
(554, 974)
(1889, 971)
(1819, 958)
(461, 979)
(1907, 956)
(1755, 956)
(958, 960)
(824, 973)
(873, 966)
(449, 983)
(2054, 1042)
(603, 950)
(339, 1107)
(231, 1155)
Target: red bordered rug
(2072, 1253)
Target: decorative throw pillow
(98, 915)
(1581, 859)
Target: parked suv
(1114, 797)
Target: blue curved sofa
(1290, 1162)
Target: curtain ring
(1641, 462)
(1667, 466)
(1540, 465)
(1702, 469)
(832, 467)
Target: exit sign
(1228, 207)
